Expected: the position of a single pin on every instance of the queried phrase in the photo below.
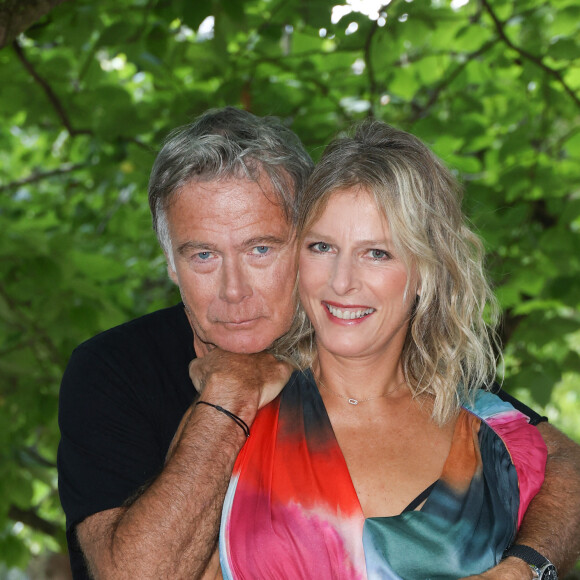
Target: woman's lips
(348, 313)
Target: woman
(385, 458)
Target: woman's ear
(417, 283)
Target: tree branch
(369, 63)
(26, 324)
(18, 15)
(30, 518)
(312, 79)
(35, 176)
(51, 95)
(499, 26)
(422, 111)
(33, 454)
(367, 54)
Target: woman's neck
(359, 378)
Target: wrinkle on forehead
(272, 190)
(235, 213)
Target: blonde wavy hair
(450, 349)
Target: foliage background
(90, 89)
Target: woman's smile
(347, 313)
(353, 286)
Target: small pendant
(353, 401)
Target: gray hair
(449, 349)
(228, 143)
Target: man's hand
(234, 380)
(508, 569)
(241, 383)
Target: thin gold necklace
(354, 401)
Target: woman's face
(352, 283)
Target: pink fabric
(527, 450)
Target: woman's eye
(321, 247)
(261, 250)
(378, 254)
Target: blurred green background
(89, 89)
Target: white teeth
(349, 314)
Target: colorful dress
(292, 512)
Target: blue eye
(379, 254)
(204, 255)
(261, 250)
(321, 247)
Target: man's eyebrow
(193, 246)
(265, 241)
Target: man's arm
(551, 524)
(171, 530)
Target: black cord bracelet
(243, 425)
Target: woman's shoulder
(523, 441)
(509, 423)
(489, 406)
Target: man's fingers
(259, 376)
(196, 373)
(275, 382)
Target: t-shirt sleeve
(108, 447)
(534, 417)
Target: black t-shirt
(122, 397)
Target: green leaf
(564, 49)
(539, 382)
(15, 553)
(115, 34)
(98, 86)
(98, 268)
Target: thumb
(277, 379)
(196, 374)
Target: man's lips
(239, 323)
(348, 313)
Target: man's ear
(171, 270)
(172, 275)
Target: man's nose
(344, 277)
(235, 285)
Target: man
(143, 471)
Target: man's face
(234, 256)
